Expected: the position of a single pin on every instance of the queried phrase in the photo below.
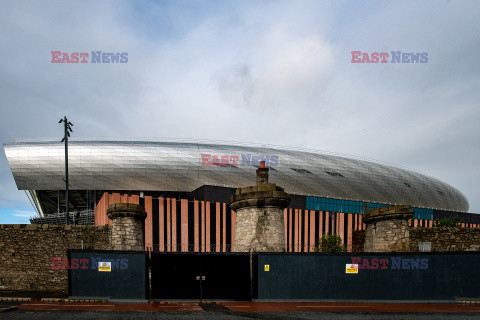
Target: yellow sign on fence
(351, 268)
(267, 267)
(105, 266)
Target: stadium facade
(185, 187)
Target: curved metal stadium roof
(147, 164)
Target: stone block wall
(442, 239)
(26, 252)
(446, 239)
(387, 235)
(258, 229)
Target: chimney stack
(262, 173)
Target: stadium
(185, 187)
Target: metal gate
(201, 276)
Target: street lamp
(67, 127)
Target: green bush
(330, 243)
(446, 223)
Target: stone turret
(128, 226)
(260, 224)
(387, 229)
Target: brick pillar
(128, 228)
(259, 209)
(387, 229)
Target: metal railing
(86, 217)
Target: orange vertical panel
(207, 225)
(217, 226)
(463, 225)
(430, 223)
(116, 198)
(326, 225)
(148, 223)
(312, 231)
(306, 229)
(100, 211)
(360, 221)
(196, 235)
(124, 198)
(184, 224)
(95, 214)
(234, 222)
(355, 226)
(299, 230)
(320, 224)
(337, 223)
(174, 225)
(103, 208)
(349, 232)
(109, 202)
(135, 198)
(295, 230)
(341, 226)
(415, 223)
(169, 226)
(290, 230)
(285, 223)
(224, 238)
(105, 205)
(161, 224)
(295, 244)
(202, 245)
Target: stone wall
(441, 239)
(387, 229)
(257, 229)
(128, 226)
(26, 252)
(387, 236)
(446, 239)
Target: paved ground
(241, 310)
(225, 310)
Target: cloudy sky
(273, 72)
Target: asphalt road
(222, 314)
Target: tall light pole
(67, 127)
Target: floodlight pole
(67, 127)
(66, 169)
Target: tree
(330, 243)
